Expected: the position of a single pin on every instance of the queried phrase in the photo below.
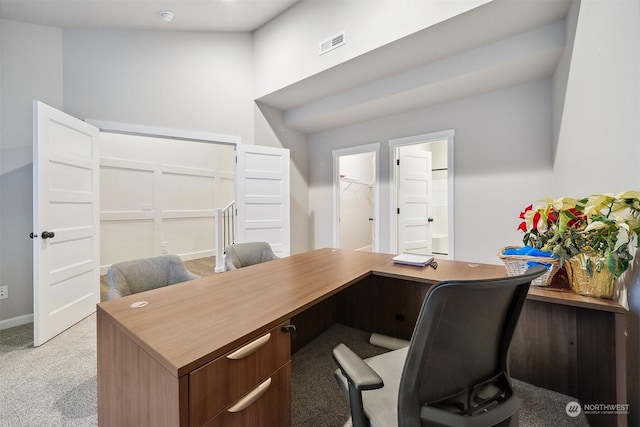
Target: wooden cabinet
(249, 385)
(271, 407)
(221, 384)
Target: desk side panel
(314, 321)
(133, 389)
(543, 349)
(385, 305)
(597, 362)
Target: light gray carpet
(55, 384)
(51, 385)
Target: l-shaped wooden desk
(216, 351)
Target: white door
(414, 201)
(66, 221)
(262, 197)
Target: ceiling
(189, 15)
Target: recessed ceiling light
(166, 15)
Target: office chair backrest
(458, 356)
(131, 277)
(241, 255)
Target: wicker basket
(518, 264)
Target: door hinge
(397, 162)
(398, 211)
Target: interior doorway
(356, 198)
(422, 194)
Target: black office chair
(455, 371)
(241, 255)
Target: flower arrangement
(603, 226)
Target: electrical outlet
(165, 248)
(4, 292)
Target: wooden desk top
(189, 324)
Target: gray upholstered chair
(130, 277)
(241, 255)
(455, 370)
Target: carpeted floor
(55, 384)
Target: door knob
(48, 234)
(32, 235)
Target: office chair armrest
(359, 376)
(357, 372)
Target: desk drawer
(222, 381)
(267, 405)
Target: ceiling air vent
(332, 43)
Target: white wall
(31, 62)
(286, 49)
(599, 136)
(182, 80)
(503, 160)
(158, 195)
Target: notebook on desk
(417, 260)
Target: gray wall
(286, 49)
(502, 159)
(184, 80)
(31, 61)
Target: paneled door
(414, 201)
(262, 196)
(66, 221)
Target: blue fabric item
(527, 251)
(533, 264)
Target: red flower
(528, 208)
(536, 218)
(577, 217)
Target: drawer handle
(251, 397)
(250, 348)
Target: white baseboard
(16, 321)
